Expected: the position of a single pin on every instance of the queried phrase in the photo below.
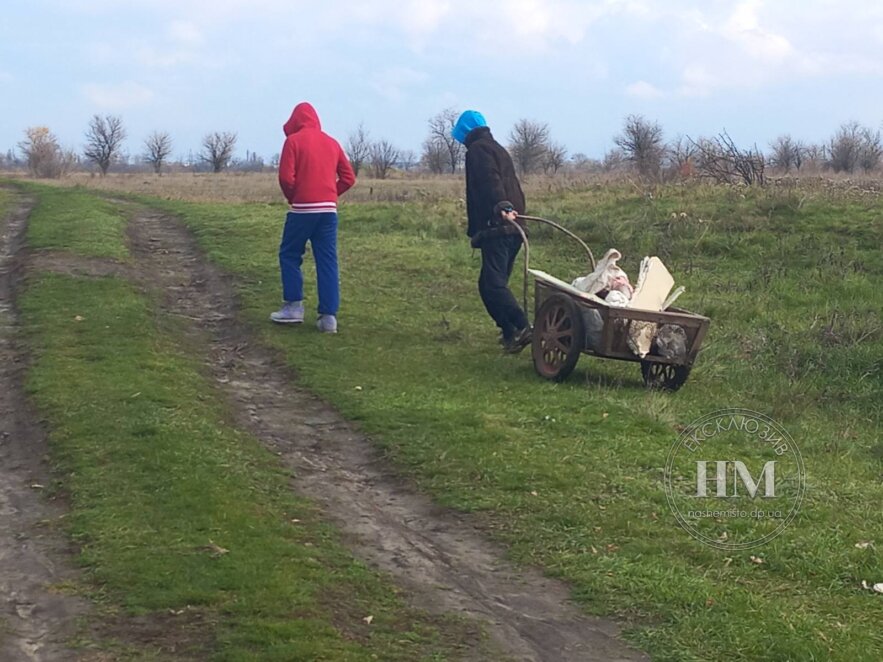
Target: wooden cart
(568, 322)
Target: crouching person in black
(493, 199)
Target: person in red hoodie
(313, 172)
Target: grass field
(5, 201)
(74, 220)
(179, 517)
(570, 475)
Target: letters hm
(739, 472)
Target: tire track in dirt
(35, 620)
(439, 557)
(77, 266)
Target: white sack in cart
(607, 276)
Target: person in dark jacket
(493, 200)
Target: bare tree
(358, 148)
(383, 157)
(871, 149)
(43, 155)
(407, 159)
(217, 149)
(554, 157)
(681, 156)
(580, 162)
(528, 141)
(613, 160)
(158, 148)
(434, 157)
(787, 153)
(712, 162)
(641, 143)
(104, 138)
(441, 139)
(844, 149)
(813, 157)
(719, 159)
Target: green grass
(570, 475)
(5, 201)
(76, 221)
(157, 478)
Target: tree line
(853, 148)
(529, 142)
(43, 156)
(640, 148)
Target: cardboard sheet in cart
(653, 286)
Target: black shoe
(519, 341)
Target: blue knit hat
(470, 119)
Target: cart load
(603, 314)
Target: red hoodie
(313, 169)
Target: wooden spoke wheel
(558, 338)
(664, 375)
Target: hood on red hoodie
(302, 117)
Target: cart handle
(527, 249)
(565, 231)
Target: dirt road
(439, 557)
(35, 619)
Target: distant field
(403, 187)
(264, 187)
(259, 187)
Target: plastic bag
(606, 276)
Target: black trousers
(497, 259)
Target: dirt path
(35, 620)
(439, 557)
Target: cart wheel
(664, 375)
(558, 338)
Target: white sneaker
(292, 312)
(327, 324)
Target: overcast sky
(757, 68)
